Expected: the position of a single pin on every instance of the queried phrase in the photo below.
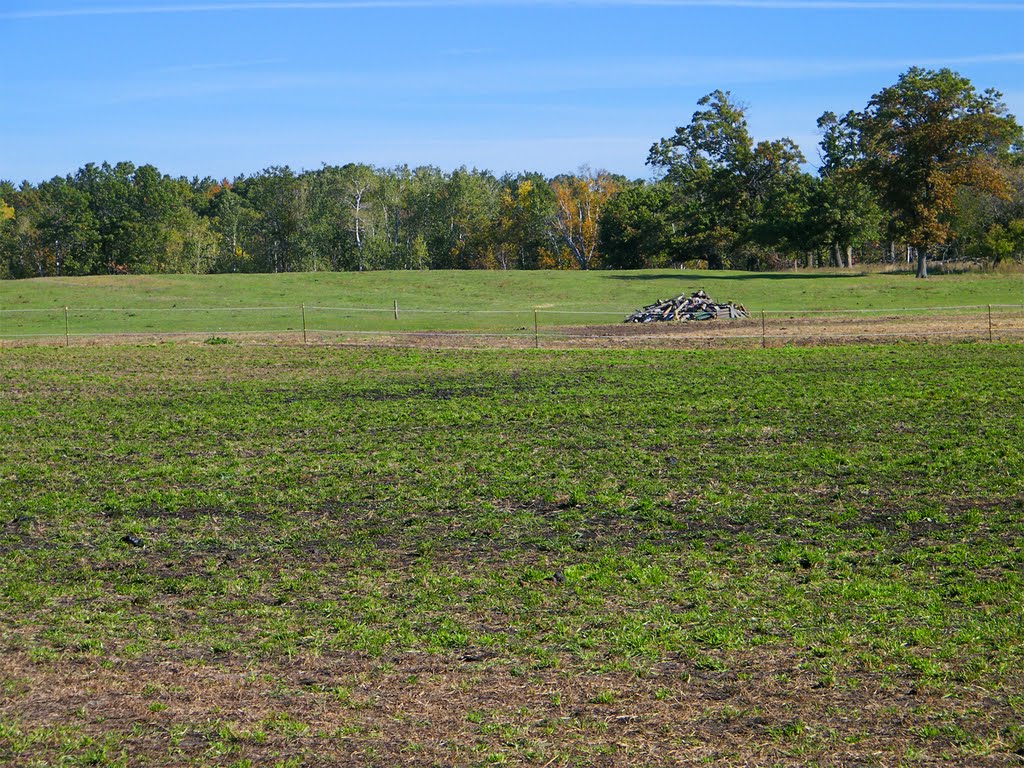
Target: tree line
(930, 167)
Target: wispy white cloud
(192, 90)
(347, 5)
(656, 72)
(219, 66)
(787, 69)
(438, 84)
(467, 51)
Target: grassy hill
(440, 300)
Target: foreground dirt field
(246, 555)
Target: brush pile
(699, 306)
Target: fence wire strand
(998, 322)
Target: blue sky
(222, 88)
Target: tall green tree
(66, 231)
(721, 180)
(111, 200)
(847, 211)
(920, 141)
(635, 231)
(703, 163)
(785, 226)
(155, 239)
(279, 242)
(779, 198)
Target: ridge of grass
(423, 297)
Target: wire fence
(534, 326)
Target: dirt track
(776, 329)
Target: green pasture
(501, 302)
(294, 555)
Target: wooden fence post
(990, 323)
(303, 323)
(536, 331)
(764, 339)
(67, 329)
(396, 309)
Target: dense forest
(930, 168)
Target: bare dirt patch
(777, 329)
(419, 709)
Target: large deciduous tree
(920, 141)
(635, 232)
(721, 181)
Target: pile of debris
(699, 306)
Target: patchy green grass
(225, 555)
